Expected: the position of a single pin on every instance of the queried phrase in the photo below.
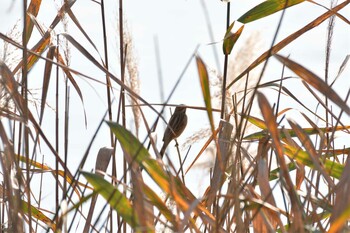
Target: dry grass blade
(336, 13)
(204, 147)
(11, 87)
(98, 65)
(270, 120)
(266, 195)
(341, 211)
(289, 39)
(7, 162)
(60, 63)
(46, 80)
(44, 168)
(314, 81)
(39, 48)
(75, 20)
(33, 9)
(69, 75)
(102, 160)
(341, 68)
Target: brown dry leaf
(270, 120)
(33, 9)
(300, 176)
(341, 214)
(39, 48)
(263, 214)
(261, 222)
(11, 87)
(102, 160)
(266, 193)
(46, 80)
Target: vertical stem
(122, 59)
(57, 133)
(121, 110)
(223, 100)
(66, 136)
(25, 113)
(108, 81)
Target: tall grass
(269, 172)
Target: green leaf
(334, 169)
(231, 39)
(309, 131)
(114, 197)
(267, 8)
(274, 174)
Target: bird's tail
(162, 151)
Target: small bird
(176, 126)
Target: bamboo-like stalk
(221, 160)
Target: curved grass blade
(157, 201)
(37, 214)
(313, 80)
(83, 51)
(45, 168)
(341, 209)
(267, 8)
(230, 38)
(46, 80)
(270, 119)
(72, 81)
(76, 22)
(341, 68)
(33, 9)
(204, 80)
(288, 40)
(39, 48)
(11, 86)
(339, 222)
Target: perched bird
(176, 126)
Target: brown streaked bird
(176, 126)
